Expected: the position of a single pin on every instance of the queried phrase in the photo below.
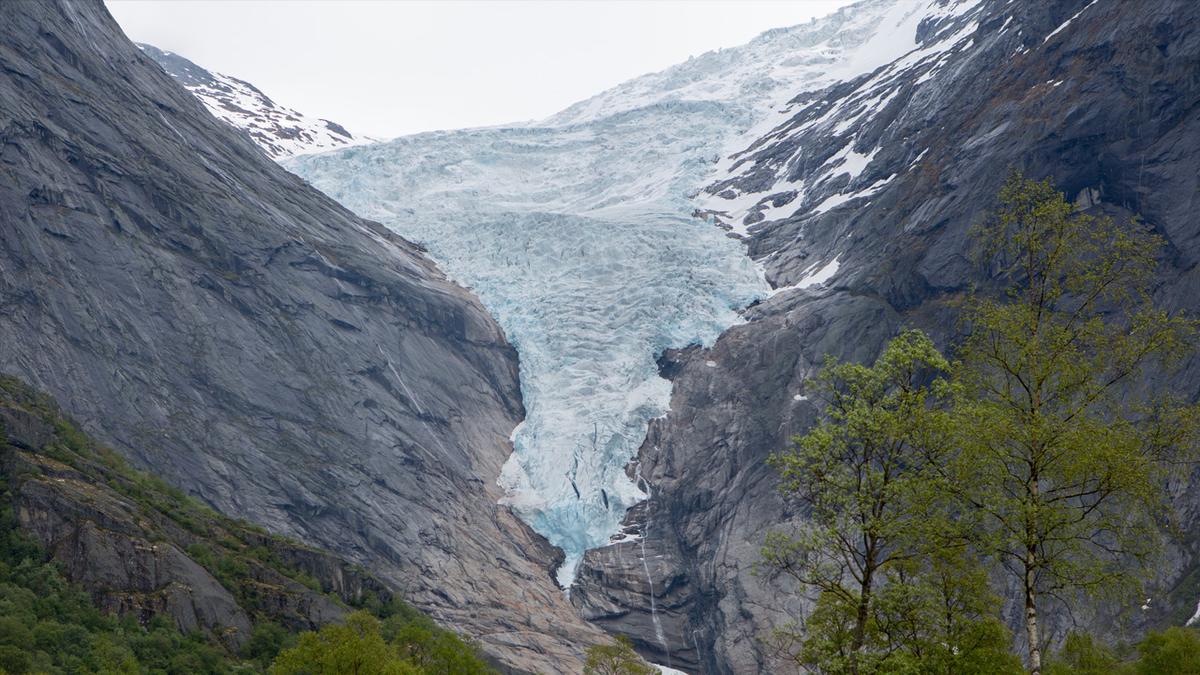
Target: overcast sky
(392, 68)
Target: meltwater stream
(577, 234)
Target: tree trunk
(1031, 618)
(860, 619)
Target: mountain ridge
(280, 131)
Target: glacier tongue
(581, 243)
(577, 234)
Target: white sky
(392, 68)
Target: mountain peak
(280, 131)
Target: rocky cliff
(143, 549)
(217, 321)
(858, 207)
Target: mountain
(578, 235)
(672, 259)
(847, 158)
(219, 323)
(280, 131)
(857, 206)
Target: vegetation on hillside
(403, 643)
(1033, 454)
(617, 658)
(50, 625)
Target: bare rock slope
(234, 331)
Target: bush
(1081, 654)
(1175, 651)
(405, 642)
(266, 641)
(617, 658)
(355, 646)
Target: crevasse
(577, 234)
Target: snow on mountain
(280, 131)
(773, 67)
(833, 147)
(578, 234)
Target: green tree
(1081, 654)
(938, 615)
(617, 658)
(267, 639)
(862, 476)
(1058, 450)
(433, 649)
(355, 647)
(1175, 651)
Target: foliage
(405, 641)
(267, 639)
(355, 647)
(1175, 651)
(939, 617)
(617, 658)
(1081, 654)
(864, 474)
(1065, 468)
(48, 625)
(434, 649)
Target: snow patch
(280, 131)
(834, 201)
(1066, 23)
(819, 277)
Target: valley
(530, 375)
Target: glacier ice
(580, 242)
(577, 233)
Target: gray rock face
(1107, 103)
(227, 327)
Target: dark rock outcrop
(222, 324)
(1103, 96)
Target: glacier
(577, 233)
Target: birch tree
(1060, 448)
